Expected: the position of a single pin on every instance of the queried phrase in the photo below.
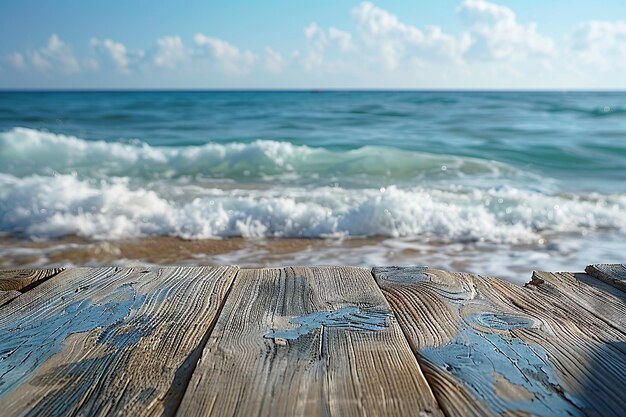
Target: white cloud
(115, 51)
(39, 62)
(313, 59)
(230, 58)
(16, 60)
(497, 35)
(55, 56)
(317, 43)
(331, 37)
(600, 43)
(274, 61)
(341, 38)
(492, 49)
(320, 40)
(396, 42)
(170, 52)
(313, 30)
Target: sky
(323, 44)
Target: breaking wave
(53, 206)
(25, 152)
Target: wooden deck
(311, 341)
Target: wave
(55, 206)
(25, 152)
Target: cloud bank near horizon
(493, 49)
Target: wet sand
(252, 253)
(163, 250)
(512, 262)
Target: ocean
(496, 183)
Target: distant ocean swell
(28, 151)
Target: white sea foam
(52, 206)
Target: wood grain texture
(307, 342)
(7, 296)
(612, 274)
(599, 300)
(489, 347)
(107, 341)
(19, 279)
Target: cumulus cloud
(493, 47)
(115, 51)
(55, 56)
(341, 38)
(229, 57)
(274, 61)
(170, 52)
(16, 60)
(317, 44)
(600, 43)
(395, 41)
(332, 36)
(496, 34)
(320, 41)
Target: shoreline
(515, 263)
(164, 250)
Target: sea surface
(496, 183)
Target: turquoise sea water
(524, 177)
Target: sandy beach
(512, 262)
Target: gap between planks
(192, 360)
(612, 274)
(14, 282)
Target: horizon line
(313, 90)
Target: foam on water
(495, 183)
(52, 206)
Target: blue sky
(514, 44)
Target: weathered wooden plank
(107, 341)
(20, 279)
(489, 347)
(597, 299)
(307, 342)
(7, 296)
(612, 274)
